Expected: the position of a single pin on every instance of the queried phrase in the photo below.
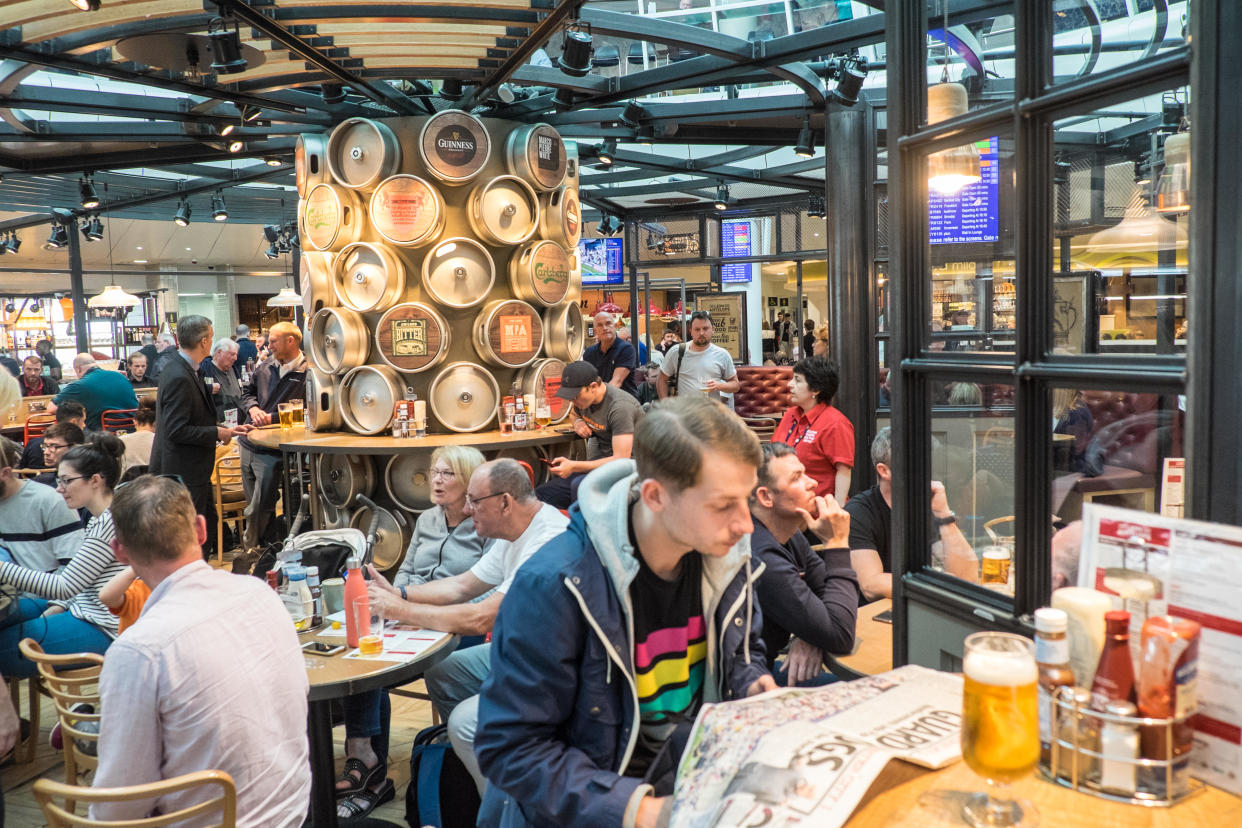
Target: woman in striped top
(61, 610)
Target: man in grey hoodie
(616, 632)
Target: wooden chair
(118, 420)
(36, 424)
(71, 680)
(24, 751)
(223, 801)
(230, 498)
(996, 537)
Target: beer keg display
(539, 272)
(362, 152)
(392, 534)
(408, 480)
(412, 337)
(415, 226)
(342, 477)
(542, 378)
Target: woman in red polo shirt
(820, 434)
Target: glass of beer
(286, 415)
(299, 412)
(543, 416)
(1000, 726)
(370, 627)
(995, 566)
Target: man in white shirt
(178, 689)
(700, 366)
(502, 502)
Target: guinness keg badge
(455, 146)
(409, 337)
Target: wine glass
(1000, 726)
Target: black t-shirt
(617, 413)
(620, 355)
(871, 524)
(670, 652)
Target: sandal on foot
(364, 802)
(359, 776)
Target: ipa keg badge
(455, 146)
(409, 337)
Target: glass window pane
(971, 247)
(1120, 224)
(971, 68)
(1092, 36)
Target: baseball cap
(575, 377)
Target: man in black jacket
(185, 430)
(810, 598)
(279, 378)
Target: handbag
(676, 377)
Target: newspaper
(806, 757)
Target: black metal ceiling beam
(380, 93)
(184, 189)
(723, 172)
(133, 159)
(121, 131)
(538, 37)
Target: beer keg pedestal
(508, 333)
(459, 272)
(536, 153)
(542, 378)
(339, 340)
(315, 281)
(464, 397)
(323, 410)
(408, 211)
(362, 153)
(560, 219)
(310, 166)
(408, 480)
(342, 477)
(455, 146)
(412, 337)
(540, 272)
(503, 211)
(392, 534)
(367, 277)
(566, 331)
(332, 217)
(368, 395)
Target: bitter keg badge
(409, 337)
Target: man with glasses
(58, 439)
(36, 526)
(32, 453)
(502, 502)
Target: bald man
(613, 357)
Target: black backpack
(441, 792)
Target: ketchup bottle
(355, 596)
(1114, 677)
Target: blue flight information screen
(602, 261)
(971, 214)
(735, 242)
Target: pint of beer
(1000, 727)
(995, 565)
(299, 412)
(286, 415)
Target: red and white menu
(1152, 564)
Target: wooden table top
(337, 676)
(873, 643)
(340, 442)
(893, 800)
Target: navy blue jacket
(268, 389)
(558, 716)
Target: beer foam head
(1001, 669)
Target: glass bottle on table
(1114, 676)
(1053, 659)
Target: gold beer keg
(503, 211)
(342, 477)
(392, 534)
(455, 146)
(540, 272)
(566, 332)
(368, 277)
(309, 164)
(508, 333)
(560, 218)
(408, 211)
(464, 397)
(315, 282)
(332, 217)
(536, 153)
(368, 395)
(362, 153)
(459, 272)
(323, 410)
(408, 480)
(339, 340)
(542, 378)
(412, 337)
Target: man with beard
(699, 366)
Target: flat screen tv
(602, 261)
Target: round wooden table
(335, 677)
(873, 644)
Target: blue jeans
(59, 634)
(369, 715)
(560, 492)
(782, 678)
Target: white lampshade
(948, 171)
(113, 296)
(285, 299)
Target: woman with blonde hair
(819, 346)
(1070, 415)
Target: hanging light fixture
(1136, 241)
(450, 89)
(13, 244)
(806, 140)
(575, 59)
(272, 252)
(332, 93)
(632, 114)
(93, 230)
(58, 238)
(226, 46)
(86, 189)
(1173, 189)
(113, 296)
(817, 206)
(948, 171)
(182, 216)
(722, 198)
(605, 152)
(236, 145)
(219, 210)
(285, 298)
(850, 74)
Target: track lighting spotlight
(58, 238)
(575, 59)
(272, 160)
(85, 5)
(632, 114)
(722, 198)
(816, 205)
(249, 113)
(609, 225)
(93, 230)
(236, 145)
(271, 233)
(605, 152)
(563, 100)
(806, 140)
(14, 243)
(850, 74)
(182, 216)
(272, 252)
(225, 130)
(451, 88)
(226, 47)
(332, 93)
(36, 306)
(86, 188)
(10, 307)
(219, 211)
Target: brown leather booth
(764, 390)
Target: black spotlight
(272, 252)
(605, 152)
(225, 130)
(85, 5)
(14, 243)
(249, 113)
(563, 100)
(93, 230)
(817, 205)
(226, 47)
(58, 238)
(10, 307)
(850, 77)
(608, 225)
(86, 188)
(451, 88)
(182, 216)
(722, 198)
(806, 140)
(219, 211)
(632, 114)
(237, 145)
(271, 232)
(332, 93)
(575, 60)
(272, 160)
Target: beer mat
(402, 645)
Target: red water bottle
(357, 604)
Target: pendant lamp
(286, 298)
(113, 296)
(1173, 189)
(948, 171)
(1136, 241)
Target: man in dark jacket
(185, 422)
(279, 378)
(811, 598)
(246, 349)
(577, 726)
